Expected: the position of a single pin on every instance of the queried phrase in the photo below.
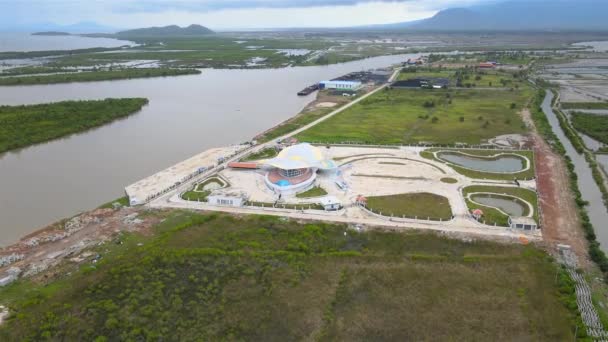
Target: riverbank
(185, 115)
(92, 76)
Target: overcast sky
(222, 14)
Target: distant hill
(516, 15)
(173, 30)
(50, 33)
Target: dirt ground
(561, 223)
(70, 239)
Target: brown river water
(186, 115)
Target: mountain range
(515, 15)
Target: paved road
(460, 225)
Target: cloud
(152, 6)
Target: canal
(589, 190)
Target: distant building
(487, 65)
(477, 214)
(523, 223)
(340, 85)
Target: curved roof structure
(300, 156)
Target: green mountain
(172, 30)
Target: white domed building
(295, 168)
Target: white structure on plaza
(523, 223)
(295, 168)
(227, 199)
(330, 203)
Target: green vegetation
(527, 174)
(220, 277)
(91, 76)
(263, 154)
(21, 126)
(422, 205)
(492, 215)
(294, 123)
(317, 191)
(584, 105)
(212, 180)
(544, 128)
(196, 195)
(595, 126)
(418, 72)
(399, 116)
(123, 201)
(449, 180)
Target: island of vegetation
(51, 33)
(22, 126)
(91, 76)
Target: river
(589, 189)
(26, 42)
(186, 115)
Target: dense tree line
(21, 126)
(91, 76)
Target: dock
(309, 90)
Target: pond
(511, 206)
(503, 163)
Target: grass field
(22, 126)
(492, 215)
(527, 174)
(584, 105)
(294, 123)
(595, 126)
(421, 205)
(91, 76)
(414, 115)
(220, 277)
(196, 195)
(317, 191)
(263, 154)
(425, 72)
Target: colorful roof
(300, 156)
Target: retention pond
(509, 206)
(498, 164)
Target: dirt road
(561, 224)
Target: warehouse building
(341, 85)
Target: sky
(220, 14)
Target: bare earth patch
(561, 223)
(326, 105)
